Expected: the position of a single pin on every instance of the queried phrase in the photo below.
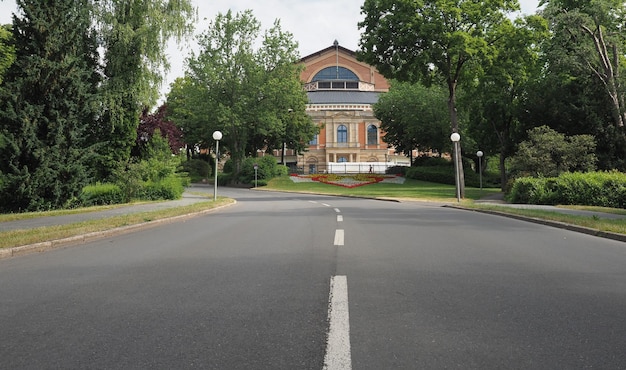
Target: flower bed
(348, 181)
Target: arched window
(342, 160)
(342, 134)
(335, 73)
(372, 135)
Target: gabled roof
(330, 48)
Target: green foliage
(101, 194)
(197, 169)
(134, 35)
(7, 50)
(167, 188)
(604, 189)
(438, 174)
(549, 153)
(268, 168)
(254, 97)
(47, 104)
(414, 117)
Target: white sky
(315, 24)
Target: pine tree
(47, 102)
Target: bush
(169, 188)
(396, 170)
(197, 169)
(101, 194)
(604, 189)
(441, 175)
(268, 168)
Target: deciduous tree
(431, 40)
(134, 34)
(253, 96)
(413, 117)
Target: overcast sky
(315, 24)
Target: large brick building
(341, 93)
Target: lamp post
(480, 169)
(455, 137)
(217, 136)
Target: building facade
(341, 92)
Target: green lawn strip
(422, 190)
(14, 238)
(410, 189)
(61, 212)
(608, 225)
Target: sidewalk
(31, 223)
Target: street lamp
(455, 137)
(480, 169)
(217, 136)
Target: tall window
(342, 134)
(313, 141)
(372, 135)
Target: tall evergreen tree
(46, 103)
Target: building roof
(343, 97)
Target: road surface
(291, 281)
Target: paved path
(190, 196)
(193, 195)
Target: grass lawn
(410, 189)
(422, 190)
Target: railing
(347, 168)
(343, 145)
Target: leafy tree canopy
(254, 97)
(413, 117)
(549, 153)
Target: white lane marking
(337, 210)
(327, 205)
(339, 237)
(339, 218)
(338, 355)
(312, 201)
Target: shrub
(605, 189)
(101, 194)
(396, 170)
(197, 169)
(442, 175)
(169, 188)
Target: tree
(498, 96)
(549, 153)
(253, 97)
(151, 124)
(7, 50)
(413, 117)
(592, 32)
(431, 39)
(183, 100)
(47, 101)
(134, 34)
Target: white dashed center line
(338, 355)
(339, 218)
(339, 237)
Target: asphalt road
(413, 285)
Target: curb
(561, 225)
(83, 238)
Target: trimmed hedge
(101, 194)
(604, 189)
